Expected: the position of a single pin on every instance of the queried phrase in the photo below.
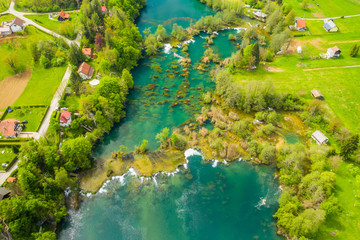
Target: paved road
(21, 15)
(315, 19)
(5, 175)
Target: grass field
(6, 156)
(67, 29)
(4, 5)
(347, 224)
(326, 8)
(32, 115)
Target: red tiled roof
(86, 69)
(63, 15)
(65, 116)
(18, 22)
(300, 23)
(335, 49)
(103, 8)
(11, 179)
(7, 127)
(86, 51)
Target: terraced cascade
(199, 200)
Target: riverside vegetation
(305, 170)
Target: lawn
(6, 156)
(326, 8)
(4, 5)
(347, 224)
(34, 117)
(67, 29)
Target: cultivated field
(12, 87)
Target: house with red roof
(10, 128)
(63, 16)
(88, 52)
(86, 71)
(17, 25)
(65, 119)
(300, 24)
(104, 9)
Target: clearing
(12, 87)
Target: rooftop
(87, 51)
(65, 116)
(18, 21)
(301, 23)
(63, 15)
(316, 93)
(86, 69)
(7, 127)
(319, 137)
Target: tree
(161, 34)
(178, 32)
(268, 154)
(305, 4)
(13, 61)
(349, 146)
(76, 153)
(256, 53)
(290, 18)
(178, 141)
(163, 135)
(45, 62)
(307, 223)
(151, 45)
(127, 78)
(354, 50)
(45, 236)
(75, 55)
(99, 41)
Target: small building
(300, 24)
(11, 179)
(260, 16)
(17, 25)
(104, 10)
(10, 128)
(63, 16)
(65, 119)
(4, 193)
(5, 31)
(85, 71)
(333, 52)
(319, 137)
(330, 26)
(317, 94)
(88, 52)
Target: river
(205, 201)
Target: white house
(5, 31)
(85, 71)
(65, 119)
(319, 137)
(330, 26)
(333, 52)
(17, 25)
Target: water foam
(167, 48)
(120, 179)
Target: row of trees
(48, 5)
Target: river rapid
(201, 200)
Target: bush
(45, 62)
(178, 141)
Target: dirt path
(316, 19)
(5, 175)
(12, 87)
(314, 69)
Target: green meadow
(34, 117)
(67, 29)
(326, 8)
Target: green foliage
(349, 146)
(143, 146)
(178, 32)
(47, 6)
(130, 7)
(45, 236)
(76, 153)
(14, 64)
(45, 62)
(151, 45)
(354, 50)
(161, 34)
(75, 55)
(163, 135)
(178, 141)
(268, 154)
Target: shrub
(178, 141)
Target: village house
(317, 94)
(104, 10)
(65, 119)
(63, 16)
(88, 52)
(17, 25)
(319, 137)
(4, 193)
(260, 16)
(333, 52)
(85, 71)
(10, 128)
(300, 24)
(5, 31)
(330, 26)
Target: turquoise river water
(202, 200)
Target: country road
(317, 19)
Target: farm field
(326, 8)
(67, 29)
